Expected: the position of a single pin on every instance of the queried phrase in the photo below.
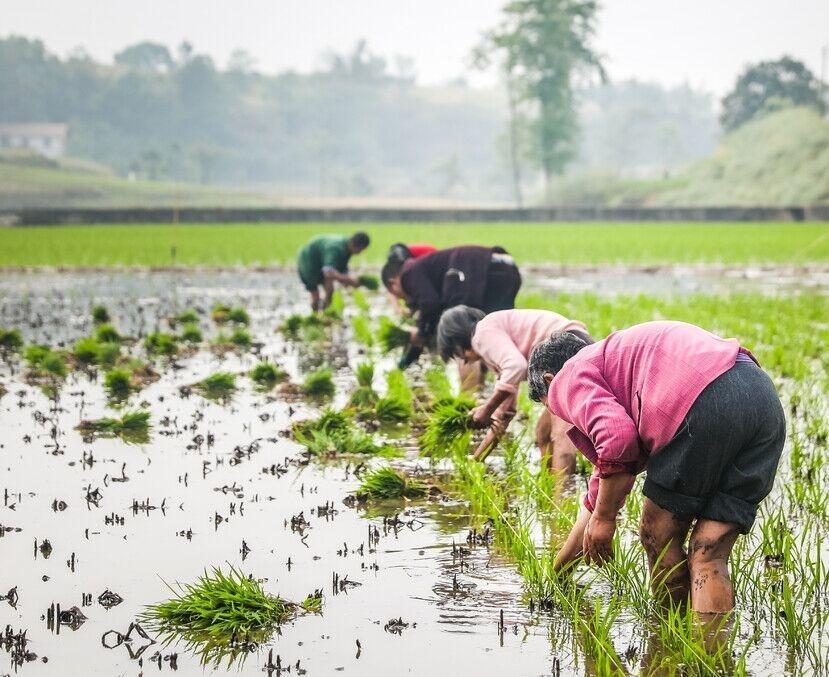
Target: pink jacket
(628, 394)
(505, 338)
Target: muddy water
(131, 519)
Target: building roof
(34, 129)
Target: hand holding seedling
(598, 539)
(480, 416)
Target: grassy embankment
(560, 243)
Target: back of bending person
(481, 277)
(324, 261)
(693, 411)
(503, 341)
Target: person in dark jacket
(480, 277)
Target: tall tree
(769, 85)
(543, 46)
(145, 56)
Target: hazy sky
(704, 42)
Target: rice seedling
(220, 615)
(161, 344)
(188, 316)
(396, 405)
(118, 384)
(313, 603)
(330, 421)
(362, 331)
(34, 354)
(334, 434)
(191, 333)
(238, 315)
(219, 387)
(11, 341)
(336, 308)
(447, 427)
(54, 365)
(360, 301)
(132, 426)
(220, 313)
(106, 333)
(438, 384)
(370, 282)
(266, 375)
(319, 384)
(86, 351)
(100, 315)
(309, 328)
(364, 373)
(241, 338)
(292, 325)
(108, 354)
(391, 336)
(363, 399)
(388, 483)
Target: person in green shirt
(324, 260)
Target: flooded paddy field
(93, 528)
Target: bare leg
(328, 286)
(543, 438)
(663, 535)
(708, 551)
(315, 301)
(563, 450)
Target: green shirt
(323, 251)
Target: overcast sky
(703, 42)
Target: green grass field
(560, 243)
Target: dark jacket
(444, 279)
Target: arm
(601, 526)
(332, 275)
(572, 548)
(497, 350)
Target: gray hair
(455, 330)
(549, 357)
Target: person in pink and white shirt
(692, 411)
(503, 340)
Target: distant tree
(769, 85)
(241, 62)
(145, 56)
(543, 46)
(185, 52)
(360, 64)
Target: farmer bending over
(404, 252)
(324, 260)
(482, 277)
(692, 410)
(502, 341)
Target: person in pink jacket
(502, 341)
(694, 412)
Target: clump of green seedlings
(319, 384)
(191, 333)
(45, 362)
(388, 483)
(333, 433)
(132, 426)
(364, 396)
(391, 336)
(161, 344)
(188, 316)
(241, 338)
(90, 351)
(266, 375)
(370, 282)
(309, 328)
(447, 427)
(362, 331)
(106, 333)
(221, 614)
(238, 315)
(360, 301)
(219, 387)
(118, 384)
(11, 341)
(396, 405)
(313, 603)
(100, 315)
(221, 313)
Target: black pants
(502, 284)
(722, 461)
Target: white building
(44, 138)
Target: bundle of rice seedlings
(191, 333)
(336, 308)
(292, 325)
(11, 341)
(334, 433)
(330, 421)
(238, 316)
(100, 315)
(319, 384)
(189, 316)
(85, 351)
(118, 384)
(220, 313)
(267, 375)
(108, 354)
(219, 386)
(45, 362)
(34, 354)
(363, 399)
(438, 384)
(448, 427)
(241, 338)
(219, 615)
(391, 336)
(160, 343)
(133, 426)
(362, 331)
(370, 282)
(313, 603)
(364, 373)
(360, 301)
(106, 333)
(388, 483)
(392, 410)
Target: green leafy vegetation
(191, 333)
(388, 483)
(85, 351)
(100, 315)
(241, 338)
(11, 341)
(106, 333)
(238, 316)
(132, 426)
(118, 384)
(370, 282)
(319, 384)
(391, 336)
(218, 387)
(267, 375)
(447, 427)
(334, 433)
(188, 316)
(161, 344)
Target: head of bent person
(390, 275)
(548, 357)
(358, 242)
(454, 333)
